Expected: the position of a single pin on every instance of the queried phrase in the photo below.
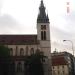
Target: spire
(42, 3)
(42, 17)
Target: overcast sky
(19, 17)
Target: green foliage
(4, 51)
(4, 60)
(34, 64)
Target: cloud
(70, 22)
(59, 34)
(57, 37)
(0, 5)
(8, 24)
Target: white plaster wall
(60, 69)
(14, 48)
(24, 47)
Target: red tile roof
(58, 60)
(18, 39)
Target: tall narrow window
(11, 52)
(54, 72)
(43, 32)
(58, 72)
(16, 52)
(44, 35)
(63, 72)
(26, 50)
(21, 51)
(32, 51)
(53, 67)
(41, 35)
(19, 67)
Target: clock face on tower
(43, 27)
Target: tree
(34, 64)
(4, 60)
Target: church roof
(18, 39)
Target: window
(26, 50)
(43, 35)
(16, 52)
(21, 51)
(54, 72)
(58, 72)
(43, 27)
(11, 52)
(63, 72)
(12, 66)
(19, 67)
(63, 66)
(53, 67)
(32, 51)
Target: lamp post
(73, 53)
(71, 43)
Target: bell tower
(43, 30)
(43, 35)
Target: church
(22, 45)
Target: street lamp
(73, 53)
(71, 43)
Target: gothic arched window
(19, 67)
(26, 50)
(43, 32)
(11, 51)
(44, 35)
(16, 52)
(21, 51)
(32, 51)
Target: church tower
(43, 30)
(43, 35)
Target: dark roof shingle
(18, 39)
(58, 60)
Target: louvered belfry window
(43, 32)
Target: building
(62, 63)
(22, 45)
